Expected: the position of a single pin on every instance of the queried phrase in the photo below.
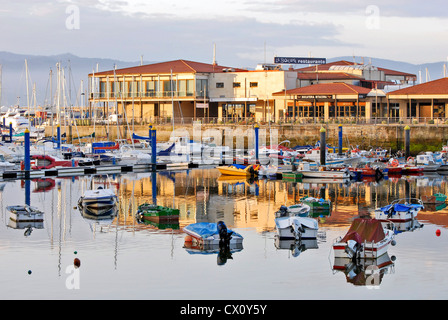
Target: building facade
(184, 91)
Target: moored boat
(25, 213)
(399, 210)
(365, 239)
(238, 169)
(434, 199)
(299, 209)
(316, 204)
(207, 233)
(296, 227)
(98, 202)
(154, 212)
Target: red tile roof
(439, 86)
(176, 66)
(326, 89)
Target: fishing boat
(154, 212)
(207, 233)
(399, 210)
(434, 199)
(98, 202)
(316, 204)
(427, 161)
(365, 239)
(238, 169)
(25, 213)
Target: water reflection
(203, 195)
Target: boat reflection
(365, 272)
(295, 247)
(224, 252)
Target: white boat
(427, 161)
(98, 202)
(299, 209)
(331, 158)
(365, 239)
(296, 228)
(399, 210)
(25, 213)
(304, 168)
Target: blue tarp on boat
(205, 229)
(400, 207)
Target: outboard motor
(224, 235)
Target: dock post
(10, 132)
(153, 149)
(149, 134)
(58, 136)
(323, 146)
(407, 138)
(257, 128)
(27, 160)
(340, 140)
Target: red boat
(46, 162)
(394, 167)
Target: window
(201, 87)
(219, 84)
(237, 84)
(253, 84)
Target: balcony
(147, 94)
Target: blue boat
(208, 233)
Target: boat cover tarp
(238, 166)
(400, 207)
(205, 229)
(369, 230)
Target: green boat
(157, 213)
(317, 204)
(292, 176)
(435, 198)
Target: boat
(434, 199)
(296, 227)
(316, 204)
(368, 171)
(157, 213)
(25, 213)
(40, 161)
(211, 234)
(299, 209)
(427, 161)
(365, 239)
(399, 210)
(98, 202)
(238, 169)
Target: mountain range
(75, 70)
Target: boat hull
(289, 228)
(370, 250)
(25, 214)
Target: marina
(111, 249)
(151, 171)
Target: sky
(243, 33)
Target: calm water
(122, 258)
